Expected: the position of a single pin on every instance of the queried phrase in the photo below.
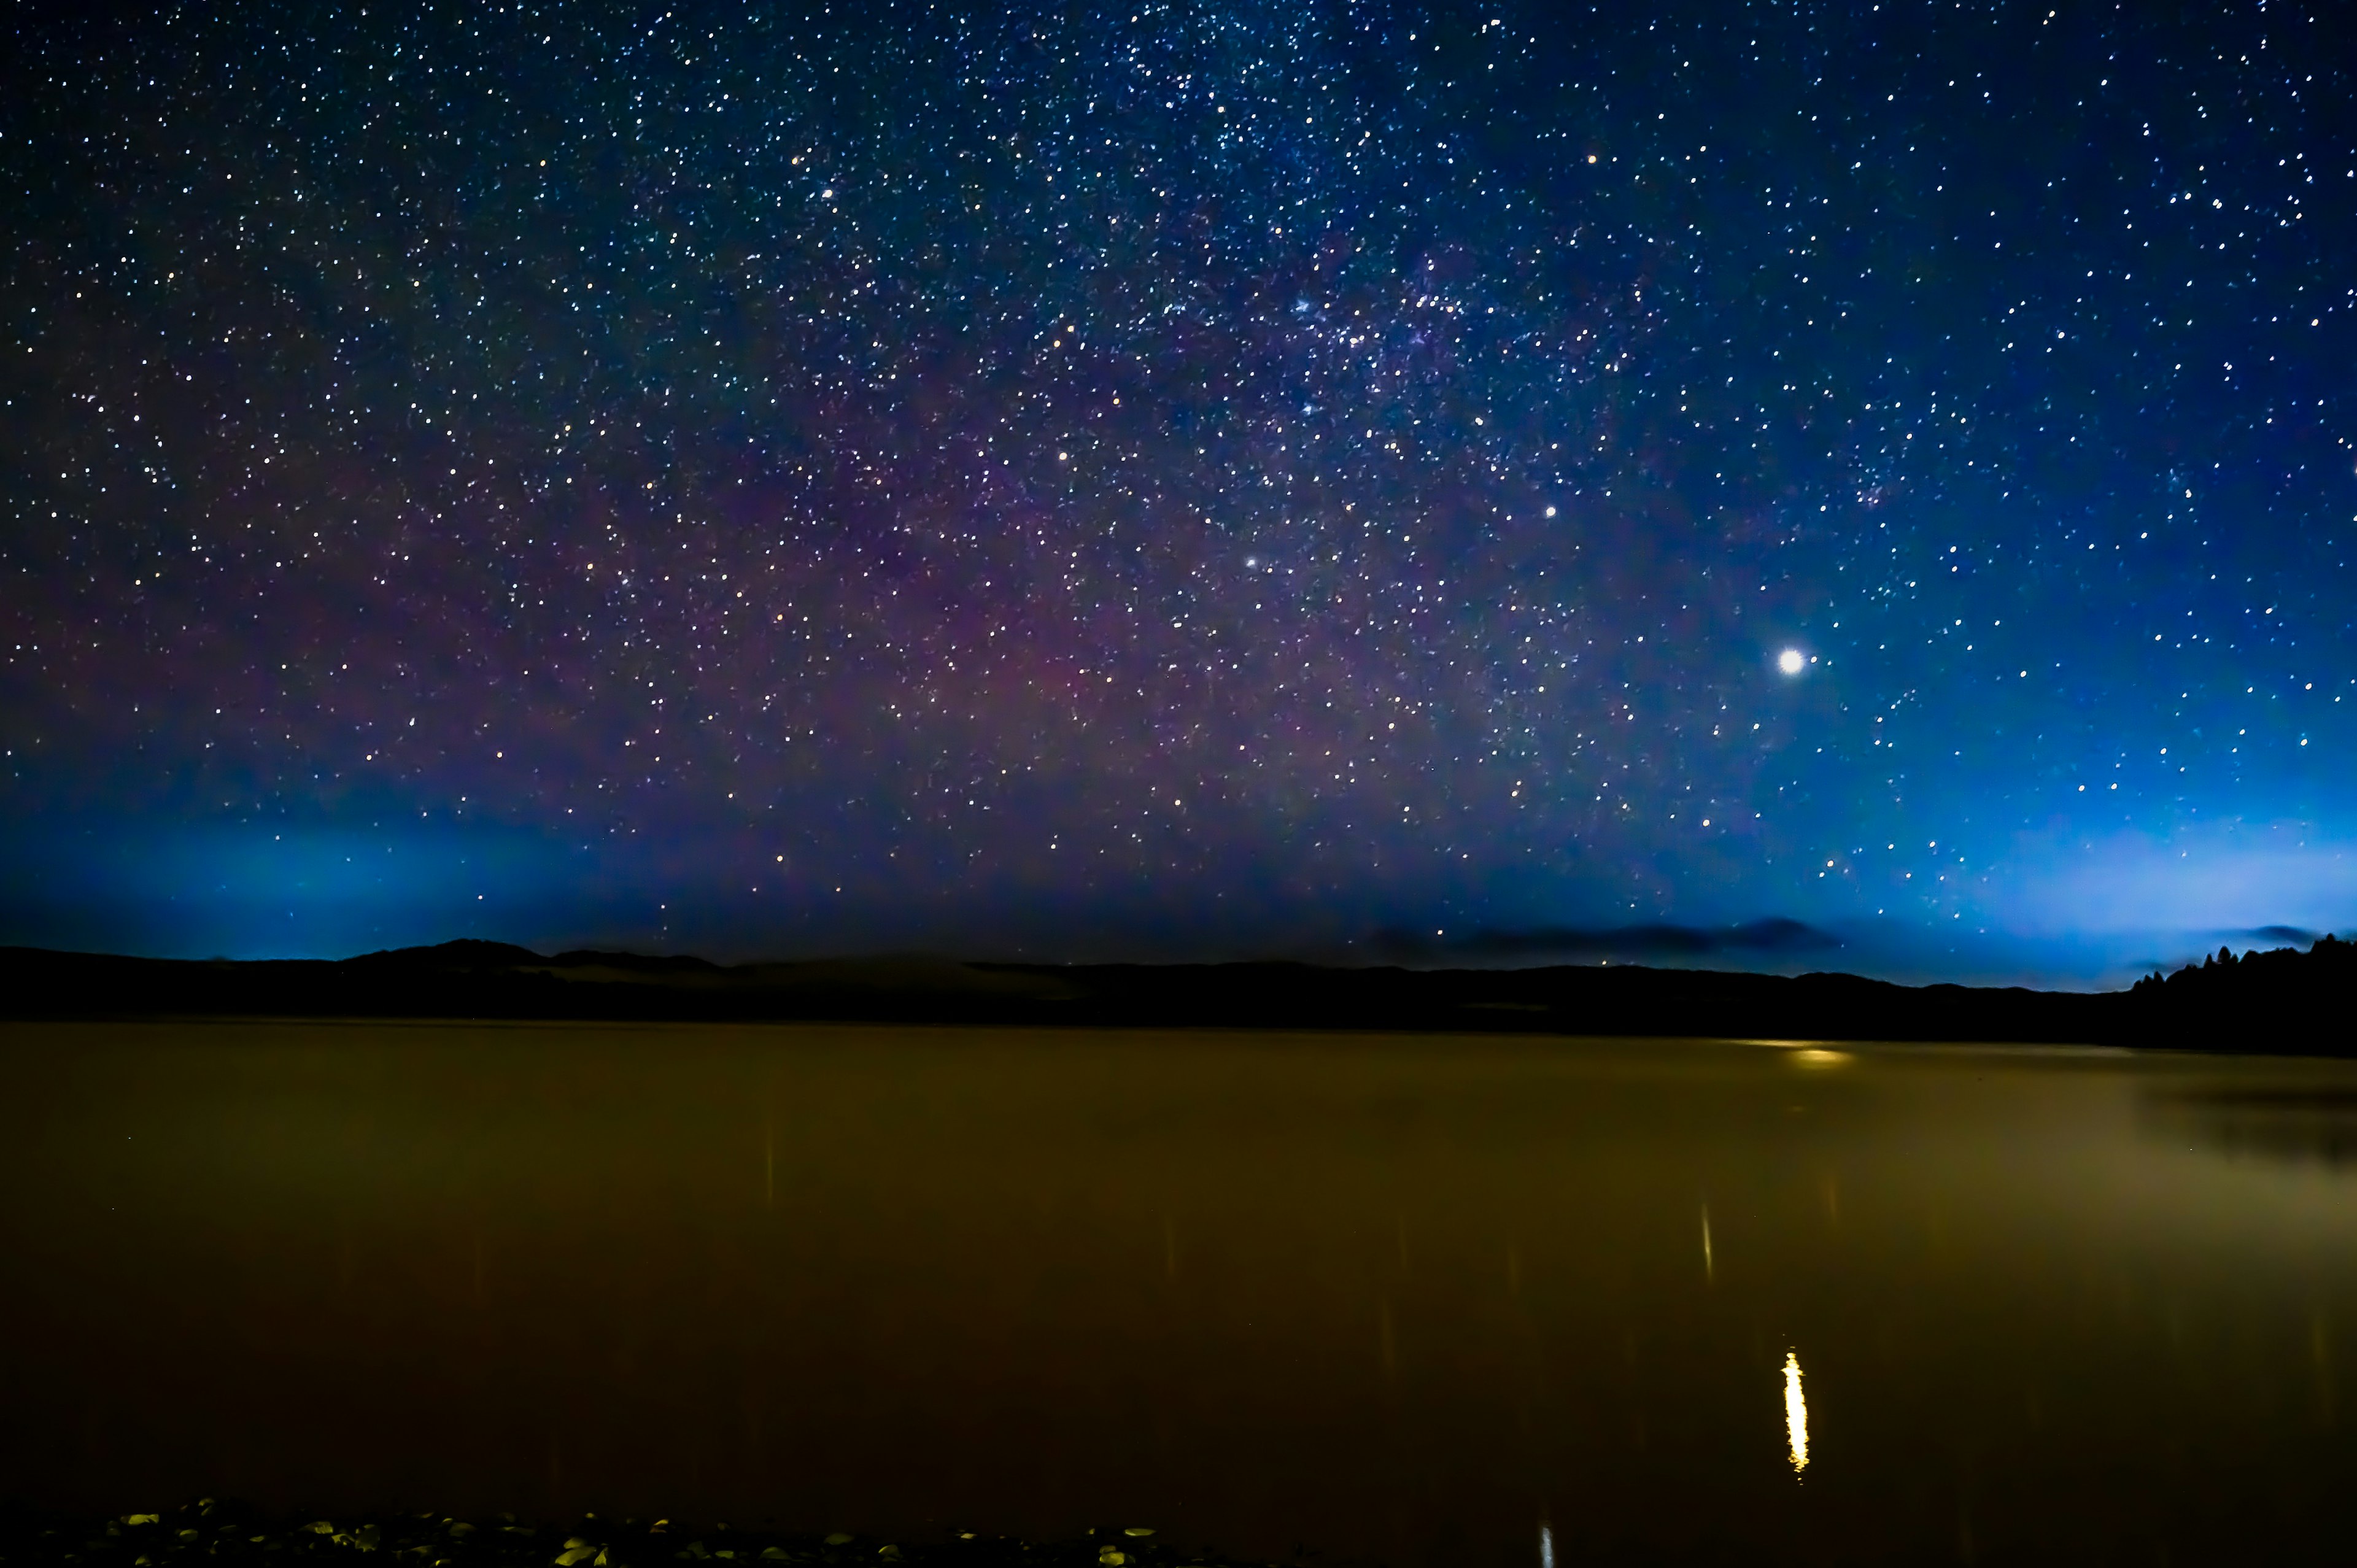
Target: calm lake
(1413, 1301)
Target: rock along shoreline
(209, 1531)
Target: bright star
(1791, 662)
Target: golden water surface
(1407, 1300)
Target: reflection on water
(2303, 1121)
(1351, 1300)
(1796, 1414)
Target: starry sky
(1325, 478)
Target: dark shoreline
(2286, 1002)
(215, 1532)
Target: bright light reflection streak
(1796, 1414)
(1546, 1547)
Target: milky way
(1172, 479)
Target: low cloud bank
(1752, 939)
(2282, 936)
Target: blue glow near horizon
(272, 890)
(255, 890)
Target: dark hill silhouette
(2284, 1001)
(2312, 993)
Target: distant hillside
(2285, 1001)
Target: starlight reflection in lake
(1414, 1301)
(1796, 1414)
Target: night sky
(1323, 478)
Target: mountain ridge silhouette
(2285, 1001)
